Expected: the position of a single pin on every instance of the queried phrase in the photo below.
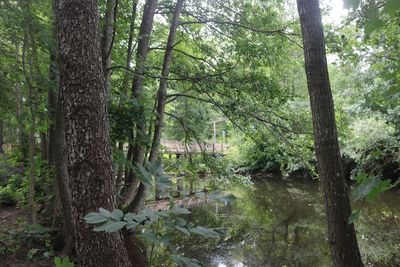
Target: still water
(277, 223)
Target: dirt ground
(12, 218)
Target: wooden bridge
(179, 148)
(188, 203)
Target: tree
(86, 131)
(162, 90)
(341, 234)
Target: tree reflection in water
(276, 223)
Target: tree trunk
(31, 100)
(137, 86)
(52, 106)
(162, 90)
(107, 41)
(341, 234)
(86, 131)
(62, 178)
(137, 92)
(124, 92)
(1, 136)
(18, 111)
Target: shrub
(7, 197)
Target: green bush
(7, 197)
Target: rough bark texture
(341, 235)
(107, 40)
(162, 90)
(62, 178)
(86, 131)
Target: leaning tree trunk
(162, 90)
(341, 234)
(86, 131)
(137, 93)
(137, 85)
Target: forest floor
(13, 252)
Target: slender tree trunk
(62, 178)
(137, 93)
(52, 105)
(31, 100)
(124, 92)
(162, 90)
(341, 234)
(1, 136)
(137, 84)
(19, 115)
(43, 146)
(107, 41)
(86, 131)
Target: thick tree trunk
(341, 234)
(162, 90)
(86, 131)
(107, 41)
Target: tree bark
(138, 153)
(137, 86)
(27, 41)
(162, 90)
(84, 105)
(18, 111)
(341, 235)
(62, 178)
(52, 105)
(107, 41)
(1, 136)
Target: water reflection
(276, 223)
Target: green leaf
(95, 218)
(129, 217)
(180, 222)
(179, 210)
(110, 227)
(354, 217)
(183, 230)
(131, 225)
(105, 212)
(117, 214)
(200, 230)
